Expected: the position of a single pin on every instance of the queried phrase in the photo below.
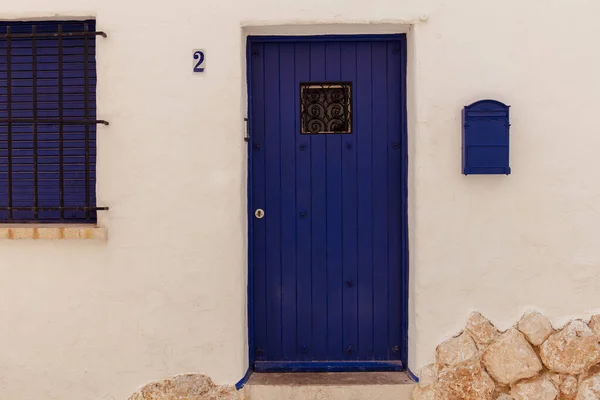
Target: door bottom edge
(329, 366)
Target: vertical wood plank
(318, 168)
(334, 222)
(303, 217)
(364, 113)
(380, 201)
(273, 201)
(349, 219)
(258, 200)
(394, 150)
(288, 93)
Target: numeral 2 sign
(199, 60)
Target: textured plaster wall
(166, 293)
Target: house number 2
(199, 60)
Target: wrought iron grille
(48, 121)
(326, 107)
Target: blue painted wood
(272, 150)
(404, 285)
(394, 212)
(365, 123)
(318, 167)
(486, 146)
(250, 208)
(329, 38)
(258, 201)
(350, 212)
(23, 106)
(288, 95)
(335, 277)
(381, 283)
(329, 366)
(304, 284)
(328, 288)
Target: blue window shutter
(59, 156)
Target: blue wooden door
(327, 203)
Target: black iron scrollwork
(326, 107)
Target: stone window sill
(52, 232)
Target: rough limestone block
(568, 388)
(571, 355)
(511, 358)
(595, 325)
(427, 393)
(536, 327)
(456, 350)
(504, 396)
(481, 329)
(589, 388)
(540, 388)
(186, 387)
(572, 350)
(465, 381)
(557, 379)
(428, 375)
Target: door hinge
(246, 131)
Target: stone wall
(531, 361)
(186, 387)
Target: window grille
(48, 121)
(326, 107)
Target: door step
(329, 386)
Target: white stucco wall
(166, 293)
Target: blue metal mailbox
(486, 128)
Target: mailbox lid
(486, 107)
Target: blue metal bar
(242, 382)
(328, 366)
(412, 376)
(325, 38)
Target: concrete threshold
(329, 386)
